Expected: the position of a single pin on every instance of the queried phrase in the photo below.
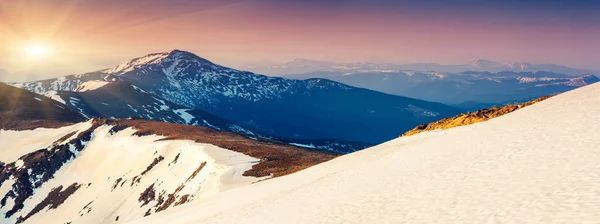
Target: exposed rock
(54, 199)
(154, 162)
(471, 117)
(147, 195)
(277, 158)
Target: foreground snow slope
(540, 164)
(108, 174)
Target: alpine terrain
(181, 87)
(535, 165)
(58, 167)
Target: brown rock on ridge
(471, 117)
(276, 158)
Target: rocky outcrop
(471, 117)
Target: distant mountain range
(302, 66)
(470, 90)
(181, 87)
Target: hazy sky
(87, 35)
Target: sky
(49, 38)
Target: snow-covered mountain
(304, 66)
(466, 88)
(114, 171)
(122, 100)
(284, 108)
(535, 165)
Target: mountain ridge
(296, 109)
(460, 88)
(300, 66)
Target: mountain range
(178, 86)
(58, 166)
(302, 66)
(469, 90)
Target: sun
(36, 50)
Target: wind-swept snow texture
(540, 164)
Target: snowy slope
(91, 85)
(536, 165)
(117, 170)
(115, 175)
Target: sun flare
(36, 50)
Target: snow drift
(540, 164)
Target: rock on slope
(471, 117)
(535, 165)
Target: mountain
(21, 109)
(121, 100)
(535, 165)
(272, 106)
(470, 90)
(303, 66)
(56, 167)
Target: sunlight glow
(36, 50)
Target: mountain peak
(186, 55)
(482, 63)
(154, 59)
(136, 63)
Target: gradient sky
(88, 35)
